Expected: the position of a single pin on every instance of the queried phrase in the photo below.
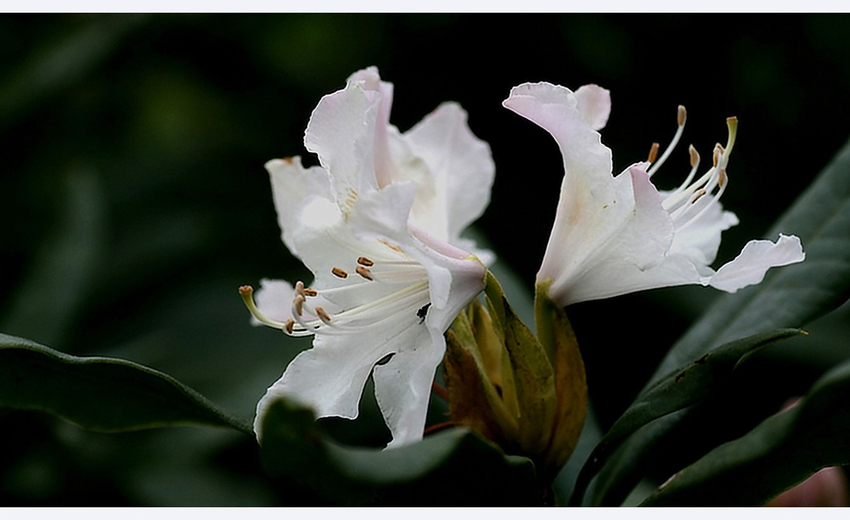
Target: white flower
(616, 235)
(378, 223)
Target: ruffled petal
(756, 258)
(594, 103)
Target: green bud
(527, 395)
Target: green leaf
(454, 467)
(789, 297)
(101, 394)
(780, 452)
(675, 392)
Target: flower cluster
(379, 224)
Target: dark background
(135, 200)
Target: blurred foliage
(136, 202)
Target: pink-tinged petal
(370, 80)
(594, 103)
(341, 132)
(460, 172)
(755, 259)
(293, 187)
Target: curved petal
(756, 258)
(700, 239)
(461, 172)
(594, 103)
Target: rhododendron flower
(378, 223)
(619, 234)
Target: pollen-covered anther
(299, 287)
(323, 314)
(722, 178)
(365, 261)
(653, 153)
(694, 155)
(310, 292)
(289, 325)
(365, 273)
(339, 273)
(298, 304)
(681, 115)
(697, 195)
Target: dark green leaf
(676, 391)
(97, 393)
(454, 467)
(790, 296)
(780, 452)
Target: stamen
(323, 314)
(697, 195)
(365, 261)
(298, 304)
(299, 287)
(311, 292)
(694, 156)
(247, 294)
(653, 153)
(722, 180)
(289, 326)
(681, 116)
(339, 273)
(362, 271)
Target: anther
(694, 155)
(323, 314)
(289, 326)
(697, 195)
(681, 115)
(365, 273)
(339, 273)
(715, 156)
(722, 178)
(365, 261)
(299, 287)
(310, 292)
(298, 303)
(653, 153)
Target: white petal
(700, 239)
(341, 132)
(293, 188)
(370, 80)
(755, 259)
(385, 212)
(602, 252)
(330, 376)
(461, 172)
(274, 299)
(403, 389)
(594, 103)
